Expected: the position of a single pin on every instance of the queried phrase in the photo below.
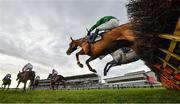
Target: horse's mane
(82, 39)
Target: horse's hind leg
(57, 86)
(105, 73)
(32, 85)
(63, 84)
(87, 63)
(110, 67)
(24, 88)
(52, 85)
(112, 63)
(8, 87)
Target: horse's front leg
(8, 87)
(4, 87)
(24, 86)
(81, 52)
(87, 63)
(18, 84)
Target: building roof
(81, 76)
(133, 74)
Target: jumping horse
(24, 77)
(112, 40)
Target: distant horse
(24, 77)
(107, 45)
(6, 81)
(57, 79)
(120, 57)
(36, 82)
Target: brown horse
(24, 77)
(116, 38)
(57, 79)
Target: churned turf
(130, 95)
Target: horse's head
(49, 76)
(72, 46)
(18, 75)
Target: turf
(136, 95)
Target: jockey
(27, 67)
(104, 24)
(8, 76)
(54, 73)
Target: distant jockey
(104, 24)
(54, 73)
(8, 76)
(27, 67)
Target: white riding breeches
(28, 67)
(109, 25)
(55, 73)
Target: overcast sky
(38, 31)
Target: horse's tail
(32, 77)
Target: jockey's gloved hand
(89, 33)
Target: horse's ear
(19, 72)
(71, 38)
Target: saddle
(54, 77)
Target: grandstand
(93, 81)
(134, 79)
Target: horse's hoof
(105, 73)
(80, 65)
(93, 70)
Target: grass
(131, 95)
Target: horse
(120, 57)
(57, 79)
(24, 77)
(108, 44)
(6, 81)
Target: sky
(39, 31)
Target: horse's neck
(81, 41)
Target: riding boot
(95, 35)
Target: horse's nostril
(68, 53)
